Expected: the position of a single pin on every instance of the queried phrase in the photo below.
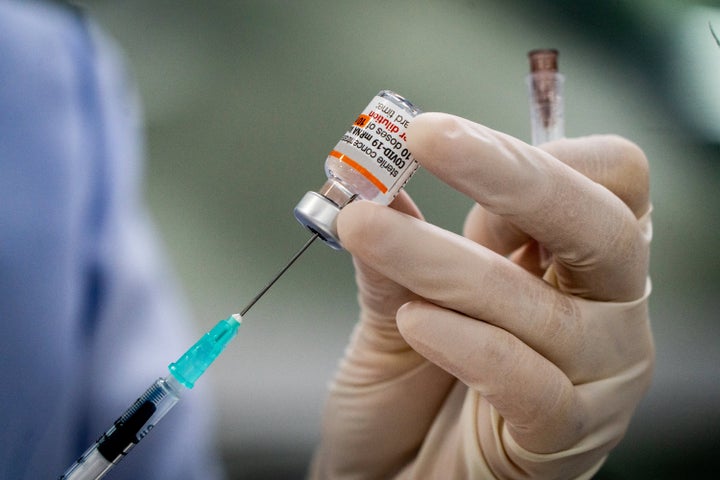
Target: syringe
(151, 406)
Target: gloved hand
(517, 351)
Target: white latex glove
(472, 360)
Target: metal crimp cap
(319, 214)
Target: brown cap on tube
(543, 60)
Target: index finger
(597, 244)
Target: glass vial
(371, 162)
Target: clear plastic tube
(371, 162)
(545, 91)
(547, 107)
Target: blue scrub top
(89, 315)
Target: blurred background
(243, 100)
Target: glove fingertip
(428, 134)
(414, 321)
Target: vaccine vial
(370, 162)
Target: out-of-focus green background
(243, 100)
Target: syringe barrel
(127, 431)
(90, 466)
